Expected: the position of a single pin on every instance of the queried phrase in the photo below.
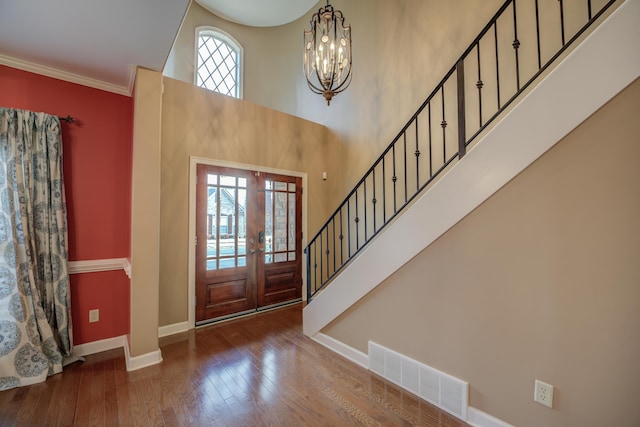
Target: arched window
(218, 62)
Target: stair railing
(519, 43)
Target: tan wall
(197, 122)
(541, 281)
(401, 51)
(145, 217)
(268, 52)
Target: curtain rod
(67, 119)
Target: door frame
(193, 162)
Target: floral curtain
(35, 327)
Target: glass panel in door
(281, 278)
(226, 207)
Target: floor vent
(443, 390)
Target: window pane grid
(280, 222)
(217, 67)
(226, 225)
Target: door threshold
(225, 318)
(246, 313)
(280, 304)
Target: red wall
(97, 173)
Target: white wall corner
(176, 328)
(144, 360)
(477, 418)
(348, 352)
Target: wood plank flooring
(256, 371)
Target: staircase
(489, 118)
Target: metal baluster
(321, 269)
(307, 253)
(341, 239)
(589, 9)
(417, 153)
(562, 20)
(538, 35)
(327, 252)
(430, 143)
(375, 201)
(384, 192)
(333, 238)
(405, 167)
(444, 131)
(394, 179)
(516, 44)
(349, 225)
(364, 203)
(462, 121)
(495, 33)
(479, 85)
(357, 224)
(315, 265)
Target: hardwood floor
(256, 371)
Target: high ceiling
(98, 43)
(259, 13)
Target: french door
(248, 241)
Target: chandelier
(327, 53)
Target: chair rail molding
(97, 265)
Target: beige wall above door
(200, 123)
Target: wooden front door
(248, 241)
(281, 279)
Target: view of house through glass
(227, 226)
(226, 222)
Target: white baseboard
(99, 346)
(350, 353)
(176, 328)
(138, 362)
(133, 363)
(477, 418)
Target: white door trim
(193, 162)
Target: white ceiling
(92, 40)
(259, 13)
(97, 43)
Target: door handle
(252, 251)
(260, 249)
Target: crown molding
(70, 77)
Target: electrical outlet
(543, 393)
(94, 316)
